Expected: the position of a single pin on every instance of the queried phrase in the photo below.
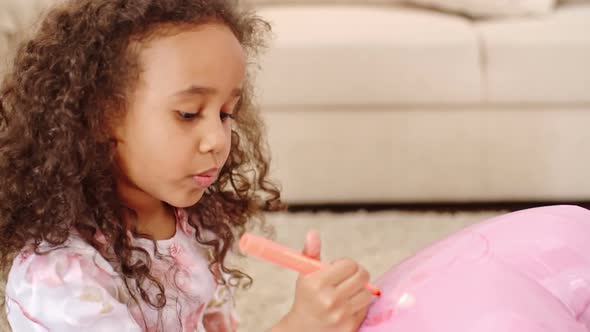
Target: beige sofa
(395, 104)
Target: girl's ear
(113, 142)
(114, 134)
(113, 124)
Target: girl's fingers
(313, 245)
(336, 273)
(359, 303)
(352, 285)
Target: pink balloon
(527, 271)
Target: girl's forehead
(211, 36)
(207, 55)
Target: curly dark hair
(56, 158)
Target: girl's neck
(158, 223)
(150, 216)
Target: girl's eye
(224, 116)
(186, 116)
(190, 116)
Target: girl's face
(176, 133)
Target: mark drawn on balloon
(406, 300)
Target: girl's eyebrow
(202, 90)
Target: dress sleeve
(64, 291)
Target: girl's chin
(188, 200)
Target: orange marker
(284, 256)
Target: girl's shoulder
(75, 261)
(67, 288)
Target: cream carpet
(377, 240)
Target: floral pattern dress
(73, 289)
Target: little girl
(131, 159)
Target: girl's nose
(214, 136)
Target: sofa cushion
(291, 2)
(354, 55)
(474, 8)
(487, 8)
(540, 60)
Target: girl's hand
(331, 299)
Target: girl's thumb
(313, 244)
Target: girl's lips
(207, 178)
(204, 181)
(209, 172)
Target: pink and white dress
(74, 289)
